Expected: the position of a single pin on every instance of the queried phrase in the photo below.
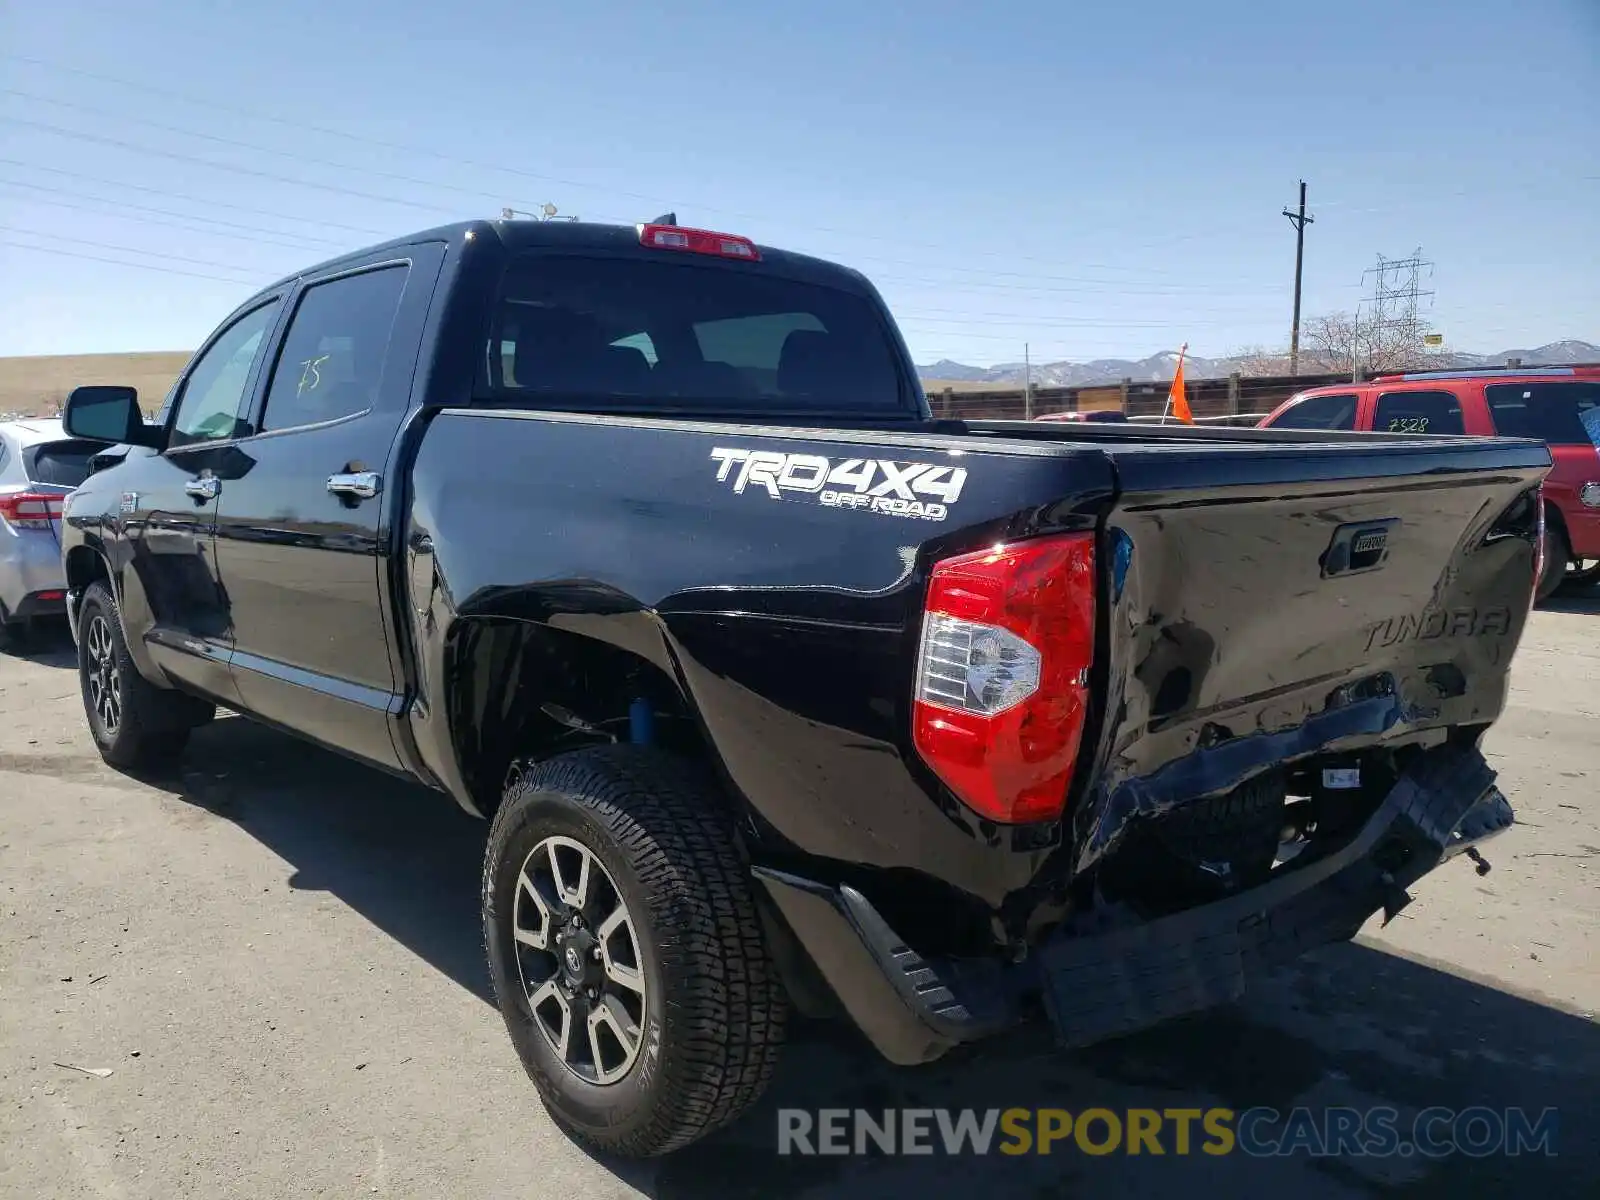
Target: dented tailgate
(1267, 602)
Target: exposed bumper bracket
(1102, 983)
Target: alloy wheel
(103, 675)
(580, 962)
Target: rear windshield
(1563, 414)
(578, 331)
(64, 464)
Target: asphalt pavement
(262, 977)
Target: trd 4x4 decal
(897, 489)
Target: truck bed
(1227, 645)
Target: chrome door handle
(204, 489)
(362, 485)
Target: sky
(1092, 181)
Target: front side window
(208, 408)
(1418, 412)
(333, 355)
(575, 330)
(1320, 412)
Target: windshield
(617, 332)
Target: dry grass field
(36, 386)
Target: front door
(301, 537)
(172, 599)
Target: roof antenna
(666, 219)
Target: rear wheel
(1556, 556)
(626, 952)
(134, 723)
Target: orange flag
(1177, 398)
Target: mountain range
(1159, 367)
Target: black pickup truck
(782, 694)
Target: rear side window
(333, 354)
(628, 332)
(1563, 414)
(1320, 412)
(1418, 412)
(64, 464)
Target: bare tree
(1341, 342)
(1261, 360)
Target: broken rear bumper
(1111, 980)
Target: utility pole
(1299, 221)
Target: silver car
(39, 465)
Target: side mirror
(109, 413)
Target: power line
(118, 262)
(327, 130)
(412, 148)
(199, 262)
(169, 194)
(255, 148)
(116, 207)
(476, 193)
(122, 144)
(1100, 287)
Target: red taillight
(30, 510)
(1002, 690)
(50, 597)
(698, 241)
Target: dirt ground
(275, 955)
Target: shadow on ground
(1574, 600)
(1352, 1025)
(48, 643)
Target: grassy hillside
(37, 386)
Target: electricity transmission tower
(1396, 304)
(1394, 327)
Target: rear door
(1433, 411)
(302, 535)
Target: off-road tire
(716, 1009)
(1557, 553)
(154, 722)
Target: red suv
(1557, 405)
